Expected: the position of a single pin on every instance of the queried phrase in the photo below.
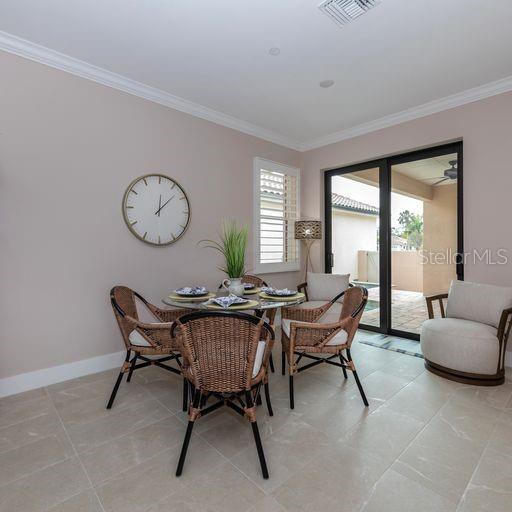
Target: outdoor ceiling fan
(448, 174)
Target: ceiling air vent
(345, 11)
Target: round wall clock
(156, 209)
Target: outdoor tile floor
(424, 444)
(408, 310)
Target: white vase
(234, 286)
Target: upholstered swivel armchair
(468, 342)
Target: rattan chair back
(354, 302)
(255, 280)
(219, 348)
(123, 303)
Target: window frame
(268, 268)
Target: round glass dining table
(259, 308)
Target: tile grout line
(36, 471)
(218, 451)
(418, 434)
(194, 434)
(76, 453)
(427, 423)
(461, 500)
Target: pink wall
(68, 149)
(486, 129)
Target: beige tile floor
(424, 444)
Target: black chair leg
(259, 447)
(132, 367)
(185, 395)
(267, 399)
(358, 382)
(283, 362)
(360, 387)
(257, 438)
(118, 382)
(343, 367)
(292, 398)
(188, 434)
(271, 361)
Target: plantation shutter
(278, 211)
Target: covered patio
(408, 310)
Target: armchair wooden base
(474, 379)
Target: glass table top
(262, 304)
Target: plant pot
(234, 286)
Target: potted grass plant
(232, 245)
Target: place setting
(191, 294)
(231, 302)
(280, 294)
(251, 289)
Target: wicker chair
(304, 334)
(144, 339)
(225, 356)
(270, 314)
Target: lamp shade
(308, 230)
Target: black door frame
(385, 165)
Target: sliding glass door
(353, 231)
(395, 225)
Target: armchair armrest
(315, 334)
(505, 326)
(303, 287)
(157, 334)
(430, 301)
(167, 315)
(303, 314)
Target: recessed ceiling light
(274, 51)
(326, 83)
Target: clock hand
(159, 209)
(159, 204)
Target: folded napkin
(248, 286)
(191, 290)
(227, 301)
(284, 292)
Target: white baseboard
(39, 378)
(61, 373)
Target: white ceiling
(401, 54)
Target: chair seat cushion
(461, 345)
(138, 340)
(331, 316)
(326, 286)
(260, 350)
(339, 339)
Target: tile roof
(345, 203)
(338, 201)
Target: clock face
(156, 209)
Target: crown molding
(432, 107)
(54, 59)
